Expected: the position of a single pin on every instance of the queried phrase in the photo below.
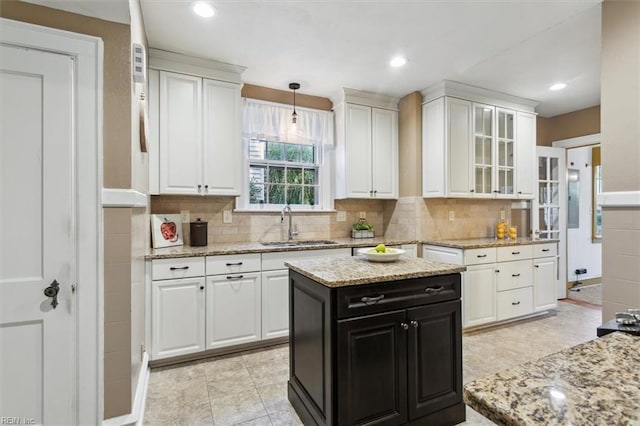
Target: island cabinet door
(434, 358)
(372, 369)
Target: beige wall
(620, 154)
(410, 144)
(118, 164)
(570, 125)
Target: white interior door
(549, 207)
(37, 357)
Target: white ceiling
(512, 46)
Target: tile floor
(250, 388)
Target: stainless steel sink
(299, 243)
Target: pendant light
(294, 115)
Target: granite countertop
(594, 383)
(241, 248)
(472, 243)
(348, 271)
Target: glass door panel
(483, 136)
(505, 160)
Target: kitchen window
(286, 164)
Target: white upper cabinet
(366, 146)
(195, 130)
(472, 146)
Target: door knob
(52, 292)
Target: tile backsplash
(412, 218)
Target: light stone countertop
(594, 383)
(241, 248)
(472, 243)
(348, 271)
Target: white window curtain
(270, 121)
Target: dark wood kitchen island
(375, 343)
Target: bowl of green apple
(381, 253)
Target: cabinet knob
(497, 271)
(496, 192)
(201, 287)
(206, 188)
(375, 192)
(199, 188)
(472, 190)
(519, 192)
(537, 266)
(414, 324)
(404, 325)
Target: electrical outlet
(226, 216)
(363, 215)
(452, 215)
(341, 216)
(185, 216)
(502, 214)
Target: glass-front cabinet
(493, 151)
(505, 166)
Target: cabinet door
(233, 309)
(544, 284)
(434, 358)
(275, 304)
(482, 150)
(433, 149)
(459, 133)
(384, 153)
(177, 312)
(180, 133)
(372, 370)
(479, 294)
(221, 138)
(358, 151)
(525, 155)
(504, 180)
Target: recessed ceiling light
(558, 86)
(203, 8)
(398, 61)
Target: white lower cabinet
(178, 312)
(544, 283)
(233, 309)
(478, 295)
(514, 303)
(275, 304)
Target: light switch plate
(452, 215)
(226, 216)
(341, 216)
(185, 216)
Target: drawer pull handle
(546, 249)
(515, 275)
(404, 325)
(497, 271)
(515, 303)
(234, 264)
(414, 324)
(237, 277)
(432, 290)
(481, 255)
(372, 300)
(515, 252)
(175, 268)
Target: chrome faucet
(287, 209)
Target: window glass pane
(309, 195)
(276, 174)
(542, 168)
(307, 154)
(509, 125)
(294, 194)
(501, 125)
(542, 193)
(479, 150)
(488, 128)
(256, 193)
(276, 194)
(542, 219)
(257, 149)
(309, 177)
(478, 123)
(294, 175)
(555, 195)
(554, 218)
(509, 154)
(554, 168)
(292, 153)
(487, 151)
(275, 151)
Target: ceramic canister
(198, 233)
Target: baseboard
(136, 417)
(584, 283)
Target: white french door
(549, 207)
(37, 356)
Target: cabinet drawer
(184, 267)
(233, 263)
(512, 275)
(381, 297)
(443, 254)
(275, 260)
(507, 254)
(514, 303)
(478, 256)
(545, 250)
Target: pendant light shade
(294, 115)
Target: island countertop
(348, 271)
(594, 383)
